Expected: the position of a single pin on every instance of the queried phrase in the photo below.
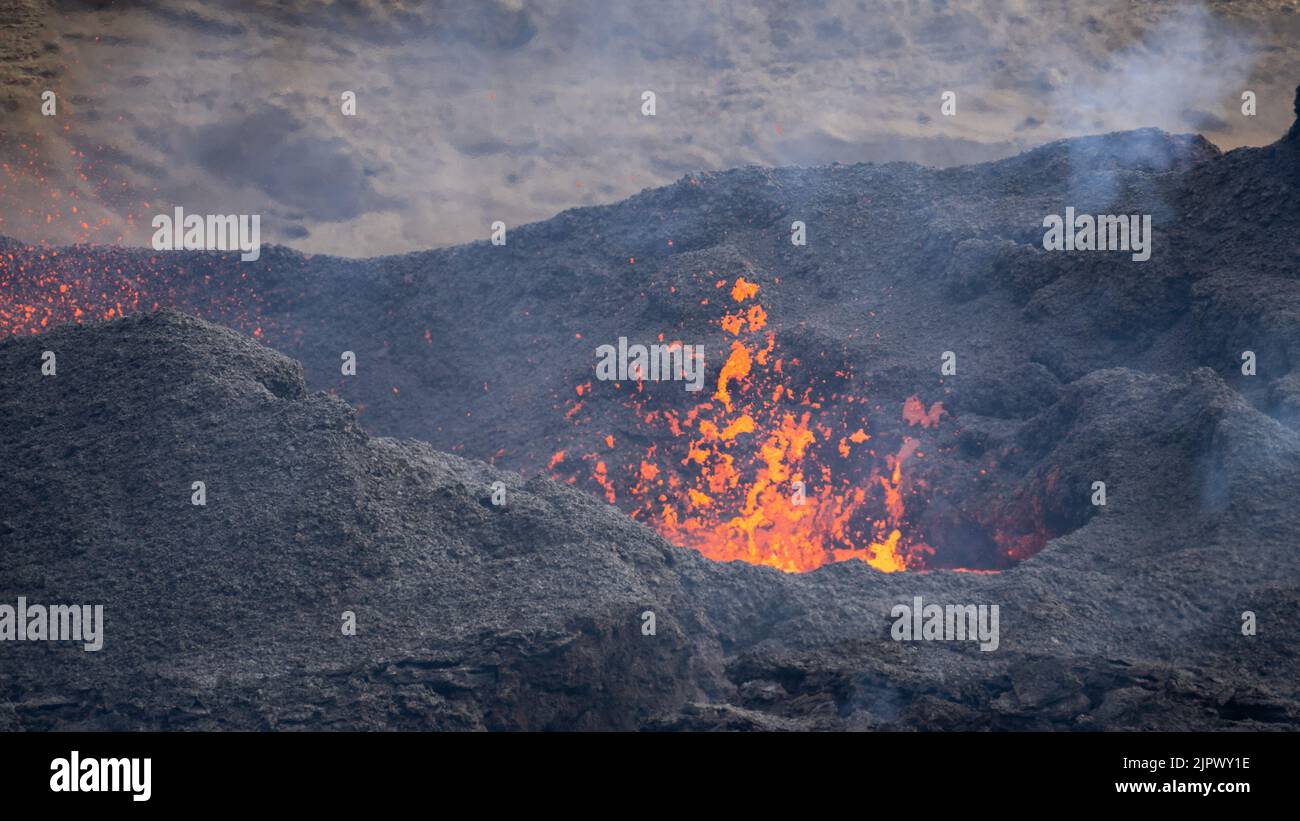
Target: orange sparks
(915, 413)
(763, 472)
(744, 290)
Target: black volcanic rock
(528, 615)
(1074, 368)
(1295, 126)
(229, 615)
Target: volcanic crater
(824, 365)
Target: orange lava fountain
(763, 474)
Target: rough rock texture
(527, 615)
(1073, 367)
(478, 349)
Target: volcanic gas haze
(515, 110)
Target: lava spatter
(765, 470)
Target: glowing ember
(42, 289)
(763, 472)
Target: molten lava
(765, 472)
(40, 289)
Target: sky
(482, 110)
